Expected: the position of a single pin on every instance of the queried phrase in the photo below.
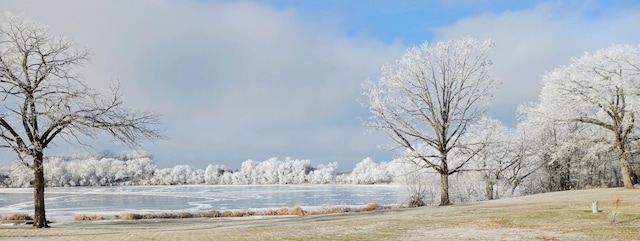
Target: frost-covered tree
(495, 153)
(365, 172)
(562, 155)
(426, 100)
(16, 176)
(323, 174)
(600, 89)
(44, 99)
(178, 175)
(213, 173)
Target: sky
(238, 80)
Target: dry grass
(297, 211)
(368, 208)
(16, 217)
(283, 211)
(127, 216)
(136, 216)
(83, 217)
(209, 214)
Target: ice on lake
(64, 202)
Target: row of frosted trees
(138, 168)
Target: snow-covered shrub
(323, 174)
(272, 171)
(369, 172)
(364, 172)
(178, 175)
(213, 174)
(16, 175)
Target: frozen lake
(64, 202)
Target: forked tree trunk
(39, 217)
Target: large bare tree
(425, 101)
(44, 99)
(600, 89)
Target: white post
(594, 207)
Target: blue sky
(387, 20)
(238, 80)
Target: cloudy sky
(238, 80)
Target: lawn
(551, 216)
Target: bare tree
(44, 99)
(425, 101)
(600, 89)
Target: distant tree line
(138, 168)
(513, 166)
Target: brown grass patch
(83, 217)
(209, 214)
(283, 211)
(135, 216)
(245, 213)
(185, 215)
(16, 217)
(127, 216)
(232, 214)
(368, 208)
(373, 207)
(327, 210)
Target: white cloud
(532, 41)
(233, 80)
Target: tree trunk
(444, 189)
(39, 217)
(626, 170)
(625, 167)
(514, 185)
(489, 190)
